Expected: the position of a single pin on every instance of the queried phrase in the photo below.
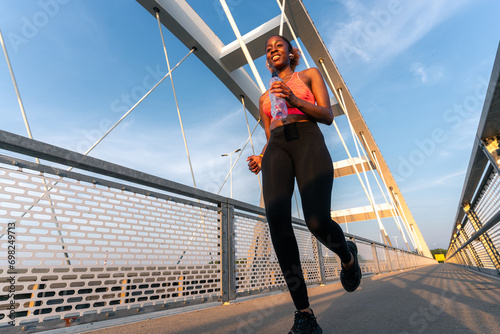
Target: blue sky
(417, 70)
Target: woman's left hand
(282, 90)
(254, 163)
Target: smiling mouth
(275, 57)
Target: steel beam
(346, 167)
(362, 213)
(231, 54)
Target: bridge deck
(441, 298)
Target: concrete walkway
(441, 298)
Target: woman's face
(277, 53)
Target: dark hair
(296, 53)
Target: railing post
(395, 252)
(228, 263)
(407, 260)
(322, 274)
(375, 258)
(387, 254)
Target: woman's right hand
(254, 163)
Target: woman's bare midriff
(293, 118)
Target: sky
(417, 70)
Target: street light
(230, 170)
(396, 238)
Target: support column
(228, 265)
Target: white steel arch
(227, 61)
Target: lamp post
(396, 239)
(230, 170)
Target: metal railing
(108, 241)
(475, 240)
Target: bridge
(90, 245)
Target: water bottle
(278, 104)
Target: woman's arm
(255, 161)
(321, 111)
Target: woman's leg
(314, 172)
(278, 184)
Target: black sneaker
(351, 278)
(305, 323)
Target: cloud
(444, 181)
(383, 30)
(449, 179)
(419, 71)
(427, 75)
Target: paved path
(441, 298)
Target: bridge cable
(250, 135)
(399, 208)
(392, 206)
(239, 155)
(356, 141)
(175, 95)
(418, 245)
(292, 32)
(243, 46)
(119, 121)
(321, 61)
(19, 100)
(394, 209)
(202, 216)
(137, 103)
(282, 17)
(28, 129)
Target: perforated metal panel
(84, 248)
(331, 264)
(365, 258)
(257, 267)
(308, 254)
(383, 261)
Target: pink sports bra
(299, 88)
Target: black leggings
(298, 150)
